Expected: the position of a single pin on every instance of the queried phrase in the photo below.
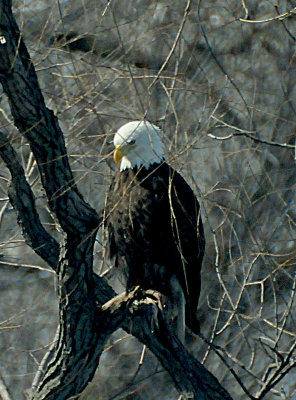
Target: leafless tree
(223, 92)
(85, 321)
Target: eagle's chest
(134, 210)
(135, 216)
(136, 194)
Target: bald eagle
(155, 232)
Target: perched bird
(155, 232)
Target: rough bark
(23, 202)
(84, 324)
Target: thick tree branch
(188, 374)
(41, 128)
(78, 348)
(84, 324)
(23, 201)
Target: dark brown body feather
(155, 231)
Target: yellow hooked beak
(123, 150)
(120, 152)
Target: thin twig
(278, 17)
(215, 58)
(284, 25)
(281, 371)
(225, 362)
(254, 138)
(173, 46)
(245, 8)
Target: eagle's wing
(184, 243)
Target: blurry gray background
(97, 64)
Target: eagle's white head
(137, 144)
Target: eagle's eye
(131, 142)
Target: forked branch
(85, 323)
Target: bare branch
(279, 373)
(241, 132)
(285, 26)
(173, 48)
(280, 17)
(245, 9)
(41, 128)
(23, 201)
(219, 64)
(84, 325)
